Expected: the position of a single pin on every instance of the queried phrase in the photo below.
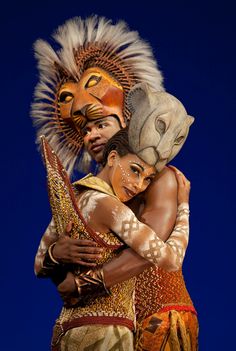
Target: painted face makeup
(96, 95)
(97, 134)
(130, 176)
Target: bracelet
(50, 253)
(103, 282)
(91, 282)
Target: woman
(105, 217)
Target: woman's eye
(65, 97)
(94, 80)
(135, 170)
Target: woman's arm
(159, 213)
(128, 263)
(141, 238)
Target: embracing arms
(55, 251)
(159, 213)
(129, 263)
(142, 239)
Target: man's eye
(85, 132)
(94, 80)
(65, 97)
(102, 125)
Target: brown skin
(159, 212)
(96, 135)
(81, 252)
(68, 250)
(160, 215)
(128, 175)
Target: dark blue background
(194, 42)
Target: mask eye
(179, 140)
(65, 97)
(160, 126)
(93, 80)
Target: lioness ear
(190, 120)
(137, 97)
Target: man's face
(97, 133)
(95, 96)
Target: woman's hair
(118, 142)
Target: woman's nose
(139, 185)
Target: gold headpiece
(93, 42)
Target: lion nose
(149, 155)
(79, 111)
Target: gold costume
(92, 53)
(116, 309)
(166, 317)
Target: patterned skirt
(97, 338)
(168, 331)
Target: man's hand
(68, 250)
(83, 252)
(184, 186)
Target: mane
(80, 44)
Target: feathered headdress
(93, 42)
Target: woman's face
(129, 175)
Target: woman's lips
(129, 192)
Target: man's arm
(128, 263)
(142, 239)
(160, 208)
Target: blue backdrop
(195, 46)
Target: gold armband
(91, 283)
(51, 255)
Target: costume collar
(95, 183)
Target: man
(89, 79)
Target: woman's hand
(183, 186)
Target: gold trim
(50, 253)
(95, 183)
